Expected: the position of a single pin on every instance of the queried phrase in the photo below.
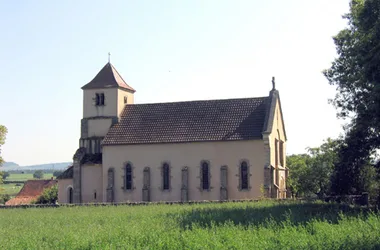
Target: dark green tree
(39, 174)
(5, 175)
(356, 75)
(57, 173)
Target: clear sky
(168, 51)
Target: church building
(225, 149)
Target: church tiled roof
(87, 159)
(191, 121)
(67, 174)
(108, 77)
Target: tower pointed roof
(108, 77)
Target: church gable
(274, 119)
(193, 121)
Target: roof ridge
(205, 100)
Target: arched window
(244, 176)
(205, 176)
(128, 177)
(70, 195)
(110, 185)
(146, 177)
(165, 176)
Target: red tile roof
(31, 190)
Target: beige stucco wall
(110, 101)
(63, 185)
(91, 183)
(121, 104)
(113, 100)
(99, 127)
(190, 155)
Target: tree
(49, 196)
(324, 158)
(356, 74)
(39, 174)
(311, 173)
(5, 175)
(3, 133)
(57, 173)
(297, 165)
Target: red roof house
(31, 190)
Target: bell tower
(104, 98)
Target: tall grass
(261, 225)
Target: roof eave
(177, 142)
(130, 90)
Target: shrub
(4, 198)
(49, 196)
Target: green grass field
(11, 189)
(261, 225)
(25, 177)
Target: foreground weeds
(261, 225)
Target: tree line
(349, 165)
(317, 173)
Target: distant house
(175, 151)
(31, 191)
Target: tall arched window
(70, 195)
(244, 176)
(128, 177)
(166, 176)
(110, 184)
(205, 176)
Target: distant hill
(11, 166)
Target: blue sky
(212, 48)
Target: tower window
(99, 99)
